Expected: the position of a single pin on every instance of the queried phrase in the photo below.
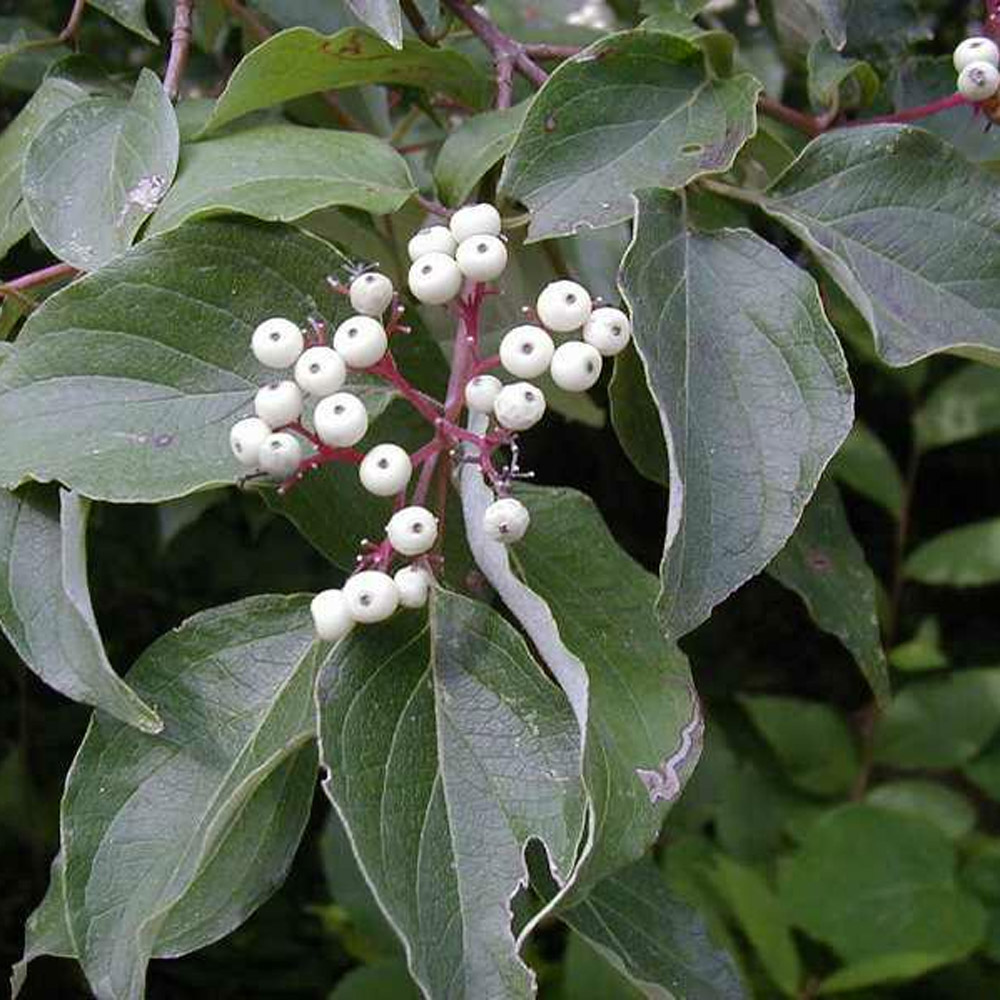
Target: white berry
(361, 341)
(434, 239)
(279, 403)
(371, 293)
(412, 531)
(482, 258)
(385, 470)
(475, 220)
(245, 439)
(277, 342)
(341, 420)
(481, 393)
(519, 406)
(564, 306)
(435, 279)
(280, 454)
(576, 366)
(414, 586)
(974, 50)
(609, 330)
(526, 351)
(320, 371)
(979, 81)
(331, 615)
(506, 520)
(371, 596)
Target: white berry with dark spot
(475, 220)
(280, 455)
(320, 371)
(974, 50)
(361, 341)
(435, 279)
(278, 403)
(979, 81)
(576, 366)
(482, 258)
(385, 470)
(433, 239)
(412, 531)
(609, 330)
(245, 439)
(331, 615)
(481, 393)
(277, 343)
(564, 306)
(414, 586)
(519, 406)
(371, 596)
(526, 351)
(506, 521)
(341, 420)
(371, 293)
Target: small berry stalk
(452, 266)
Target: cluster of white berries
(444, 256)
(976, 62)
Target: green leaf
(833, 17)
(836, 82)
(879, 887)
(447, 749)
(151, 402)
(171, 841)
(898, 967)
(23, 62)
(45, 608)
(586, 606)
(301, 61)
(588, 976)
(53, 97)
(636, 419)
(282, 172)
(634, 110)
(385, 980)
(762, 919)
(940, 722)
(637, 923)
(812, 741)
(824, 564)
(948, 810)
(866, 201)
(984, 770)
(923, 651)
(719, 46)
(473, 149)
(753, 394)
(129, 13)
(95, 172)
(866, 465)
(964, 406)
(964, 557)
(382, 16)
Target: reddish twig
(249, 19)
(180, 46)
(992, 25)
(424, 405)
(544, 51)
(73, 23)
(432, 207)
(955, 100)
(44, 276)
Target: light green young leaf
(866, 201)
(282, 172)
(866, 465)
(879, 887)
(923, 651)
(52, 98)
(95, 172)
(964, 557)
(586, 606)
(836, 82)
(153, 389)
(949, 810)
(45, 608)
(300, 61)
(129, 13)
(824, 564)
(171, 841)
(940, 722)
(636, 922)
(753, 393)
(964, 406)
(473, 149)
(762, 919)
(634, 110)
(811, 740)
(447, 749)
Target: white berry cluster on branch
(976, 62)
(451, 266)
